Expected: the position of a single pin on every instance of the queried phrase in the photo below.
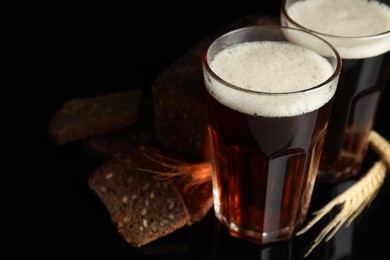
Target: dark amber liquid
(358, 94)
(264, 169)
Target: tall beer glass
(268, 102)
(360, 31)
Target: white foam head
(270, 79)
(357, 28)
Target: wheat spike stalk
(381, 146)
(354, 200)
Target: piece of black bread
(80, 118)
(138, 136)
(143, 207)
(118, 142)
(193, 181)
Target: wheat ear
(190, 175)
(356, 198)
(381, 146)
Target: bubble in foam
(277, 75)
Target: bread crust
(80, 118)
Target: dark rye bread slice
(178, 96)
(142, 207)
(79, 118)
(118, 142)
(125, 140)
(193, 182)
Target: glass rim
(335, 74)
(362, 37)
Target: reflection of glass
(364, 48)
(268, 102)
(227, 247)
(348, 243)
(341, 245)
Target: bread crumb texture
(142, 207)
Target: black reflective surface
(47, 210)
(50, 213)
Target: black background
(56, 52)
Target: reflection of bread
(80, 118)
(142, 207)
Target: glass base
(334, 176)
(255, 237)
